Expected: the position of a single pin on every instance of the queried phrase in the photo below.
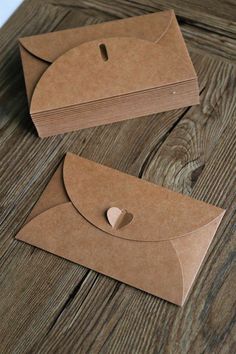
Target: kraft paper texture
(129, 229)
(107, 72)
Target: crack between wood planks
(112, 330)
(109, 315)
(68, 301)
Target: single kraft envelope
(111, 59)
(159, 248)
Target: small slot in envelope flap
(132, 65)
(50, 46)
(158, 213)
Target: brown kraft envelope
(156, 244)
(69, 86)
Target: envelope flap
(50, 46)
(158, 213)
(106, 68)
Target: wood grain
(199, 35)
(49, 305)
(217, 16)
(197, 38)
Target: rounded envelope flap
(158, 213)
(107, 68)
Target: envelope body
(160, 251)
(107, 72)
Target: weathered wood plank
(216, 16)
(197, 38)
(205, 42)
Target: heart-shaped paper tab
(118, 217)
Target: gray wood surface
(49, 305)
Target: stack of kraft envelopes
(107, 72)
(131, 230)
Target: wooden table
(49, 305)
